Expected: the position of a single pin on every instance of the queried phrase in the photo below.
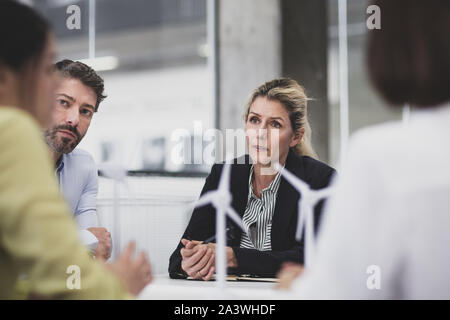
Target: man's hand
(104, 242)
(135, 273)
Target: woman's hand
(231, 258)
(198, 259)
(288, 273)
(135, 273)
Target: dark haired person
(38, 237)
(277, 129)
(386, 233)
(78, 96)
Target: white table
(164, 288)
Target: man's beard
(62, 145)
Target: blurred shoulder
(425, 131)
(12, 118)
(371, 139)
(396, 152)
(20, 133)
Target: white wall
(148, 104)
(153, 211)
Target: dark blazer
(284, 246)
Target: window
(153, 56)
(365, 106)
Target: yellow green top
(38, 237)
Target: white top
(386, 232)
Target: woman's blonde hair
(292, 96)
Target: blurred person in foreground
(38, 237)
(386, 232)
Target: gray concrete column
(258, 40)
(304, 58)
(249, 49)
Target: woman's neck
(263, 175)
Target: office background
(171, 64)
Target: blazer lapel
(286, 204)
(240, 174)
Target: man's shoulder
(79, 159)
(77, 152)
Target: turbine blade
(235, 217)
(204, 199)
(300, 220)
(324, 193)
(224, 183)
(318, 195)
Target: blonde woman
(276, 130)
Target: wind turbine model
(308, 199)
(221, 200)
(118, 174)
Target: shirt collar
(272, 188)
(60, 164)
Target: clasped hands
(198, 259)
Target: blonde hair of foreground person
(293, 97)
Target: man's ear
(298, 136)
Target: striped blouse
(258, 215)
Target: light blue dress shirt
(78, 181)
